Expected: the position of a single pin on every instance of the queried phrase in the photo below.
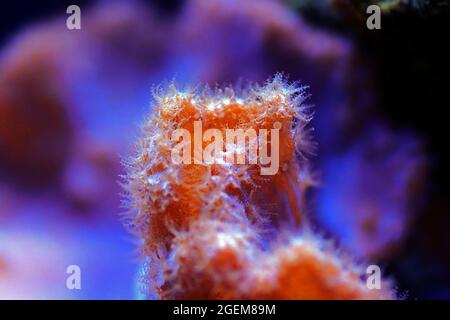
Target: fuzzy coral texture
(213, 231)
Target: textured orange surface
(205, 225)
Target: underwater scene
(225, 149)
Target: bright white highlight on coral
(229, 149)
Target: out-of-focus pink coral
(35, 129)
(55, 97)
(373, 192)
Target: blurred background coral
(71, 102)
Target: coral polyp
(212, 230)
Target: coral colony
(221, 229)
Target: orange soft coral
(166, 195)
(216, 260)
(204, 224)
